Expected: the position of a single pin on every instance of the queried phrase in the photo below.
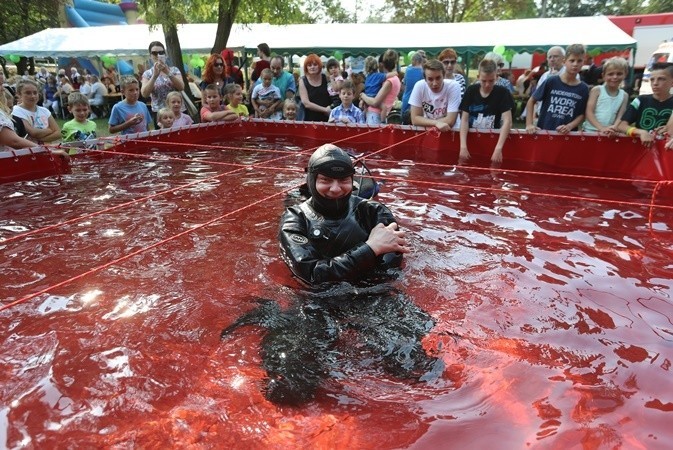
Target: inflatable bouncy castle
(92, 13)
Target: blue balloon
(124, 67)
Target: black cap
(330, 161)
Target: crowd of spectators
(560, 96)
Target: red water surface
(559, 290)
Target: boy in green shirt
(80, 128)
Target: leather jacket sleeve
(303, 244)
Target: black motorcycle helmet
(330, 161)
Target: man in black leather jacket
(334, 235)
(337, 236)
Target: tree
(20, 19)
(659, 6)
(226, 15)
(275, 12)
(440, 11)
(161, 12)
(575, 8)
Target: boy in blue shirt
(347, 112)
(564, 97)
(129, 115)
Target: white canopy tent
(467, 38)
(119, 40)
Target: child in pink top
(174, 103)
(213, 111)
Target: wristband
(631, 131)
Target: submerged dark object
(291, 350)
(298, 347)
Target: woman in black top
(313, 91)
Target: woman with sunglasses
(214, 73)
(449, 59)
(160, 79)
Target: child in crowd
(373, 83)
(435, 101)
(212, 109)
(347, 112)
(335, 80)
(80, 128)
(289, 109)
(651, 113)
(49, 92)
(32, 121)
(8, 137)
(129, 115)
(266, 98)
(174, 103)
(373, 80)
(166, 118)
(358, 80)
(234, 94)
(607, 102)
(564, 97)
(486, 105)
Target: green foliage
(327, 11)
(439, 11)
(275, 12)
(163, 12)
(23, 18)
(659, 6)
(574, 8)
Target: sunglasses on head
(160, 52)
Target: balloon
(185, 58)
(196, 62)
(14, 58)
(108, 60)
(125, 68)
(338, 55)
(509, 55)
(499, 49)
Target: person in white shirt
(435, 101)
(85, 87)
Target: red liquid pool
(557, 288)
